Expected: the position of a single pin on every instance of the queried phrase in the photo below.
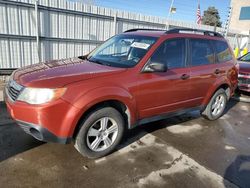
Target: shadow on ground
(230, 105)
(239, 171)
(12, 138)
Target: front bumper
(244, 82)
(41, 133)
(244, 88)
(51, 122)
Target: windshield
(245, 57)
(122, 50)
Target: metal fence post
(115, 21)
(37, 29)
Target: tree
(211, 17)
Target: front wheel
(216, 105)
(100, 133)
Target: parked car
(244, 73)
(133, 78)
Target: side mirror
(155, 67)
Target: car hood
(244, 66)
(58, 73)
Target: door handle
(185, 76)
(217, 71)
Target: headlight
(40, 96)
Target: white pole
(37, 30)
(169, 13)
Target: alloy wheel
(102, 134)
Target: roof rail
(204, 32)
(179, 30)
(142, 29)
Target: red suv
(133, 78)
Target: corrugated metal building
(60, 29)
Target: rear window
(201, 52)
(222, 51)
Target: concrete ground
(185, 151)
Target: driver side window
(171, 53)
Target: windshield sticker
(140, 45)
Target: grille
(244, 80)
(13, 90)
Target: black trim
(165, 116)
(189, 59)
(6, 72)
(143, 29)
(41, 133)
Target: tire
(210, 112)
(93, 140)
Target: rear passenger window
(201, 52)
(222, 51)
(171, 53)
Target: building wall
(236, 18)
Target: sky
(186, 9)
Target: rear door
(225, 62)
(202, 67)
(224, 58)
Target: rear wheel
(100, 133)
(216, 105)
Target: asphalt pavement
(184, 151)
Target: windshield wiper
(99, 62)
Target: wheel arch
(212, 91)
(117, 104)
(226, 87)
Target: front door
(163, 92)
